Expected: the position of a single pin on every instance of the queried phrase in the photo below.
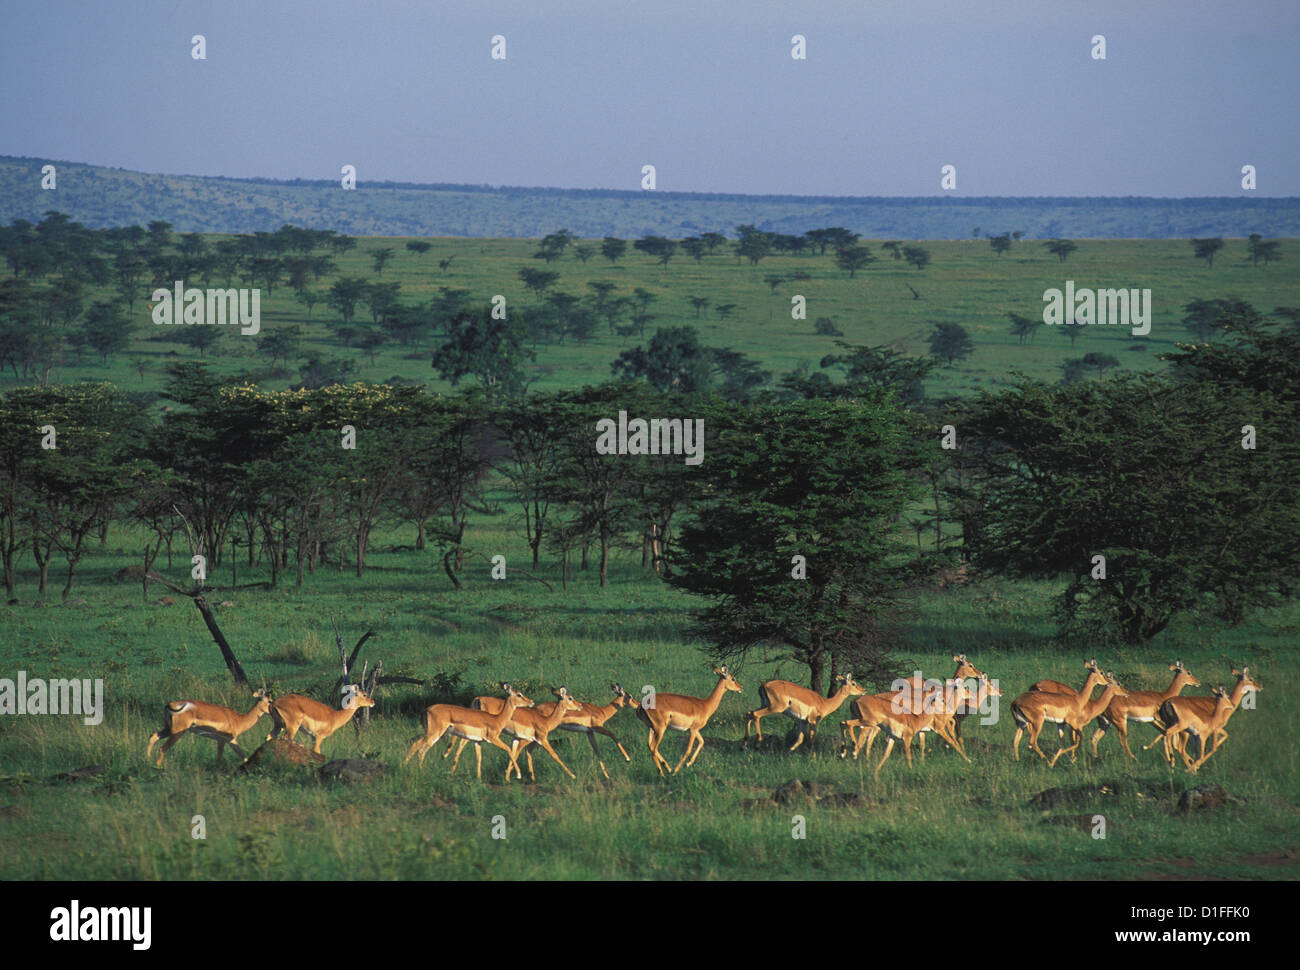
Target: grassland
(942, 820)
(966, 283)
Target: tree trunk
(232, 663)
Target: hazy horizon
(589, 92)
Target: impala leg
(690, 741)
(546, 746)
(1100, 733)
(167, 746)
(609, 734)
(700, 747)
(1034, 734)
(653, 742)
(591, 738)
(456, 760)
(889, 746)
(1015, 744)
(154, 739)
(798, 741)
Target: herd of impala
(916, 708)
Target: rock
(280, 753)
(75, 603)
(1207, 796)
(353, 769)
(796, 789)
(79, 774)
(164, 601)
(226, 603)
(851, 799)
(1061, 797)
(1084, 823)
(13, 811)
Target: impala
(1191, 719)
(938, 709)
(1185, 708)
(1140, 705)
(1033, 708)
(531, 726)
(222, 724)
(683, 713)
(590, 720)
(914, 696)
(293, 711)
(967, 706)
(493, 706)
(804, 705)
(881, 713)
(472, 725)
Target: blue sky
(592, 91)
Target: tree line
(794, 529)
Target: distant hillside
(101, 197)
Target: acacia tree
(814, 479)
(1146, 472)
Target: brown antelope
(913, 696)
(681, 712)
(222, 724)
(472, 725)
(1187, 709)
(1095, 679)
(968, 705)
(293, 711)
(1190, 719)
(590, 720)
(1033, 708)
(531, 726)
(885, 712)
(1140, 705)
(492, 705)
(804, 705)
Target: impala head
(356, 699)
(1246, 681)
(1112, 682)
(989, 688)
(566, 702)
(517, 695)
(1092, 666)
(1178, 668)
(854, 688)
(621, 697)
(964, 667)
(728, 681)
(263, 704)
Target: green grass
(943, 819)
(966, 283)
